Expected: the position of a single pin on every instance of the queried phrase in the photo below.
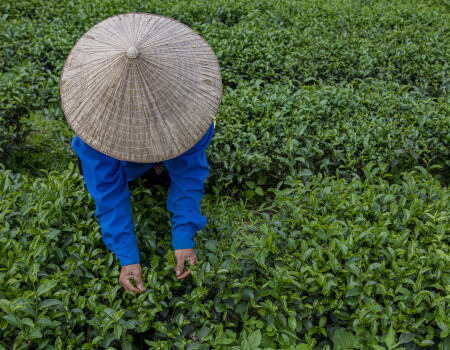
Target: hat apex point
(132, 52)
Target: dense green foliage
(328, 84)
(327, 202)
(325, 255)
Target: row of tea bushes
(326, 263)
(270, 130)
(372, 73)
(334, 41)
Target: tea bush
(274, 130)
(325, 257)
(348, 64)
(327, 202)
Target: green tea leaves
(49, 303)
(254, 340)
(390, 338)
(13, 320)
(46, 286)
(345, 340)
(327, 201)
(292, 323)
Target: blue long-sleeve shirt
(107, 180)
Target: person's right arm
(107, 183)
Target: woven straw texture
(141, 87)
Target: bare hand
(132, 271)
(183, 255)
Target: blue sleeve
(187, 173)
(107, 183)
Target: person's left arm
(188, 173)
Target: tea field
(328, 200)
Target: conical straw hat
(141, 87)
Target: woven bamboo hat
(141, 87)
